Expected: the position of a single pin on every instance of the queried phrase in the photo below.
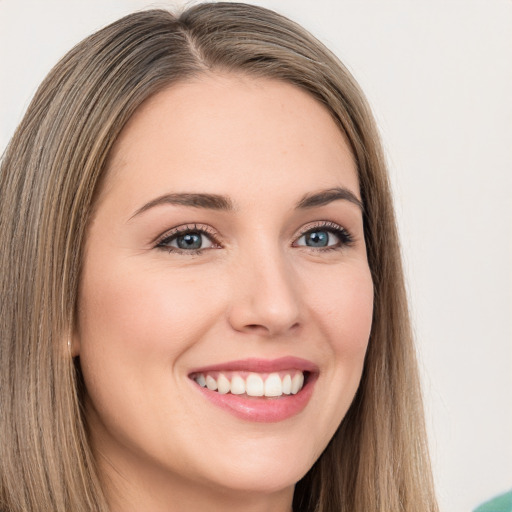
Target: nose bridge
(266, 300)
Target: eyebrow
(207, 201)
(325, 197)
(223, 203)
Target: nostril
(256, 328)
(269, 330)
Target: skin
(148, 315)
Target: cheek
(344, 310)
(142, 311)
(134, 327)
(135, 323)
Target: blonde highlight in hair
(49, 177)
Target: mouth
(276, 384)
(258, 390)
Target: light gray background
(438, 74)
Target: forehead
(216, 129)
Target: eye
(324, 236)
(190, 241)
(187, 239)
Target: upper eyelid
(217, 239)
(347, 236)
(324, 224)
(187, 228)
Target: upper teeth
(252, 384)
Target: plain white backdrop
(438, 74)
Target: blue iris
(317, 239)
(190, 241)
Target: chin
(261, 481)
(264, 470)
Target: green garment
(502, 503)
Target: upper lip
(258, 365)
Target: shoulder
(502, 503)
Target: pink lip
(262, 409)
(261, 365)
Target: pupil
(317, 239)
(189, 241)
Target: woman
(203, 303)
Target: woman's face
(226, 251)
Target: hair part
(49, 177)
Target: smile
(288, 382)
(258, 390)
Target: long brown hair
(50, 172)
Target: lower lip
(262, 409)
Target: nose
(266, 299)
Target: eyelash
(184, 230)
(346, 239)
